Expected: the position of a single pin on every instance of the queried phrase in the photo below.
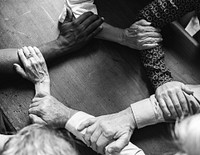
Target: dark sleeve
(160, 13)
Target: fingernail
(101, 27)
(15, 66)
(103, 18)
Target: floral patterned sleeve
(160, 13)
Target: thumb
(20, 70)
(36, 119)
(118, 145)
(85, 124)
(186, 89)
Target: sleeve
(77, 7)
(160, 13)
(147, 112)
(79, 117)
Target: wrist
(129, 116)
(42, 88)
(110, 33)
(67, 114)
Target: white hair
(187, 135)
(38, 140)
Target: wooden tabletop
(101, 78)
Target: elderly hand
(110, 133)
(141, 35)
(172, 100)
(34, 68)
(76, 33)
(50, 111)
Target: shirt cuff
(74, 122)
(147, 112)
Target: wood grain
(99, 79)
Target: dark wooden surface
(99, 79)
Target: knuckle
(177, 106)
(171, 107)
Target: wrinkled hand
(50, 111)
(35, 68)
(141, 35)
(110, 133)
(172, 100)
(76, 33)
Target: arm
(50, 111)
(141, 35)
(160, 13)
(114, 126)
(73, 35)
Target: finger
(39, 54)
(151, 40)
(118, 145)
(35, 111)
(86, 124)
(89, 21)
(36, 119)
(176, 103)
(183, 101)
(193, 104)
(35, 104)
(94, 137)
(143, 22)
(187, 89)
(93, 26)
(147, 29)
(149, 46)
(33, 53)
(82, 18)
(22, 58)
(26, 51)
(20, 70)
(69, 15)
(101, 143)
(89, 131)
(164, 107)
(36, 99)
(94, 33)
(150, 35)
(170, 107)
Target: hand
(50, 111)
(35, 68)
(172, 100)
(110, 133)
(141, 35)
(76, 33)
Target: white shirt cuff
(147, 112)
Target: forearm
(160, 13)
(152, 113)
(50, 51)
